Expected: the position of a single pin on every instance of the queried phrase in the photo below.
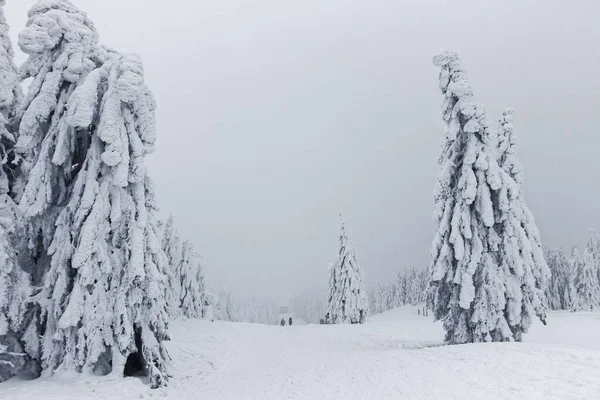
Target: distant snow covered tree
(409, 288)
(347, 300)
(205, 298)
(210, 306)
(586, 283)
(15, 287)
(523, 266)
(310, 307)
(171, 245)
(415, 286)
(467, 290)
(251, 310)
(382, 297)
(191, 294)
(558, 288)
(226, 307)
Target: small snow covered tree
(523, 267)
(14, 282)
(466, 287)
(558, 289)
(227, 309)
(347, 301)
(415, 286)
(171, 245)
(586, 284)
(308, 307)
(205, 299)
(191, 294)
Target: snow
(395, 355)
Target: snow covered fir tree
(14, 282)
(90, 226)
(85, 127)
(482, 287)
(191, 284)
(558, 288)
(171, 245)
(522, 256)
(409, 288)
(586, 280)
(347, 300)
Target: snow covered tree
(309, 307)
(347, 301)
(86, 126)
(15, 287)
(10, 90)
(171, 245)
(586, 283)
(227, 309)
(523, 267)
(15, 291)
(558, 288)
(205, 299)
(251, 310)
(409, 288)
(210, 303)
(60, 42)
(415, 286)
(106, 244)
(191, 294)
(467, 289)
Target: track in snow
(396, 355)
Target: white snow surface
(395, 355)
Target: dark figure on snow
(290, 322)
(282, 322)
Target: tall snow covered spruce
(522, 257)
(85, 127)
(60, 42)
(586, 282)
(107, 235)
(476, 299)
(347, 301)
(14, 282)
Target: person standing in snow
(282, 322)
(290, 322)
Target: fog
(274, 117)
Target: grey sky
(274, 116)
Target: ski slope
(396, 355)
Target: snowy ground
(397, 355)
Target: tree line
(574, 283)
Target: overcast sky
(274, 116)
